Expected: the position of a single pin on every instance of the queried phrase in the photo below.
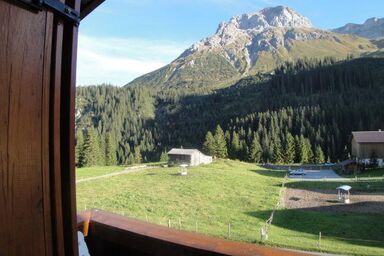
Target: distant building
(192, 157)
(368, 143)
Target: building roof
(344, 187)
(369, 136)
(182, 151)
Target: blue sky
(124, 39)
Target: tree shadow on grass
(271, 173)
(358, 229)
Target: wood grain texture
(68, 85)
(55, 136)
(22, 220)
(24, 83)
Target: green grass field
(241, 194)
(88, 172)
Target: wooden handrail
(153, 239)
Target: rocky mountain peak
(374, 21)
(244, 36)
(372, 28)
(254, 42)
(278, 17)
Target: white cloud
(119, 60)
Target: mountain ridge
(251, 43)
(372, 28)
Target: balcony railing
(112, 234)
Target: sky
(124, 39)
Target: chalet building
(365, 144)
(192, 157)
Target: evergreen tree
(310, 155)
(164, 157)
(256, 151)
(130, 159)
(319, 155)
(297, 149)
(209, 144)
(79, 146)
(303, 151)
(235, 146)
(138, 156)
(110, 150)
(277, 156)
(289, 149)
(90, 154)
(220, 146)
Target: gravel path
(127, 170)
(326, 201)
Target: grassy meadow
(87, 172)
(242, 194)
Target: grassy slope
(87, 172)
(213, 195)
(239, 193)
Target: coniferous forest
(302, 112)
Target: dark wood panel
(4, 116)
(25, 55)
(67, 119)
(55, 146)
(45, 133)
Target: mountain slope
(372, 28)
(251, 43)
(322, 100)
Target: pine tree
(244, 151)
(220, 147)
(138, 156)
(319, 155)
(297, 149)
(310, 155)
(289, 149)
(235, 146)
(110, 150)
(164, 157)
(303, 150)
(90, 154)
(256, 151)
(209, 144)
(79, 146)
(130, 159)
(277, 156)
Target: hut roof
(345, 187)
(182, 151)
(369, 136)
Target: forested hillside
(309, 107)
